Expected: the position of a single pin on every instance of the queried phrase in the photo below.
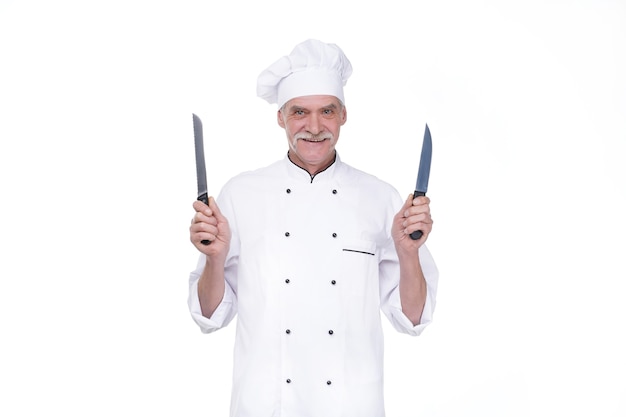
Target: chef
(307, 252)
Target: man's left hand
(414, 215)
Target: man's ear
(344, 116)
(279, 119)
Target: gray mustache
(310, 136)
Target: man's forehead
(311, 102)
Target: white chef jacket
(311, 265)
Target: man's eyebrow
(331, 106)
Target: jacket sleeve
(390, 294)
(389, 281)
(225, 311)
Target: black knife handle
(204, 197)
(418, 233)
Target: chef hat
(312, 68)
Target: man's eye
(299, 112)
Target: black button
(288, 331)
(288, 381)
(288, 190)
(328, 382)
(287, 281)
(334, 191)
(333, 282)
(330, 332)
(287, 234)
(334, 234)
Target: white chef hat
(312, 68)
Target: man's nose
(313, 124)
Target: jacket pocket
(359, 270)
(364, 247)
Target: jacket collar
(298, 173)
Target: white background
(526, 102)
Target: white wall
(526, 104)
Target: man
(307, 251)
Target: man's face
(312, 125)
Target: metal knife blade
(423, 173)
(203, 194)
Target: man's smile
(314, 140)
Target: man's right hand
(210, 224)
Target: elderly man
(307, 252)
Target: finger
(216, 210)
(200, 231)
(419, 205)
(421, 200)
(199, 205)
(417, 211)
(408, 202)
(416, 221)
(404, 211)
(198, 238)
(416, 206)
(423, 217)
(203, 216)
(424, 227)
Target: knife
(423, 173)
(203, 194)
